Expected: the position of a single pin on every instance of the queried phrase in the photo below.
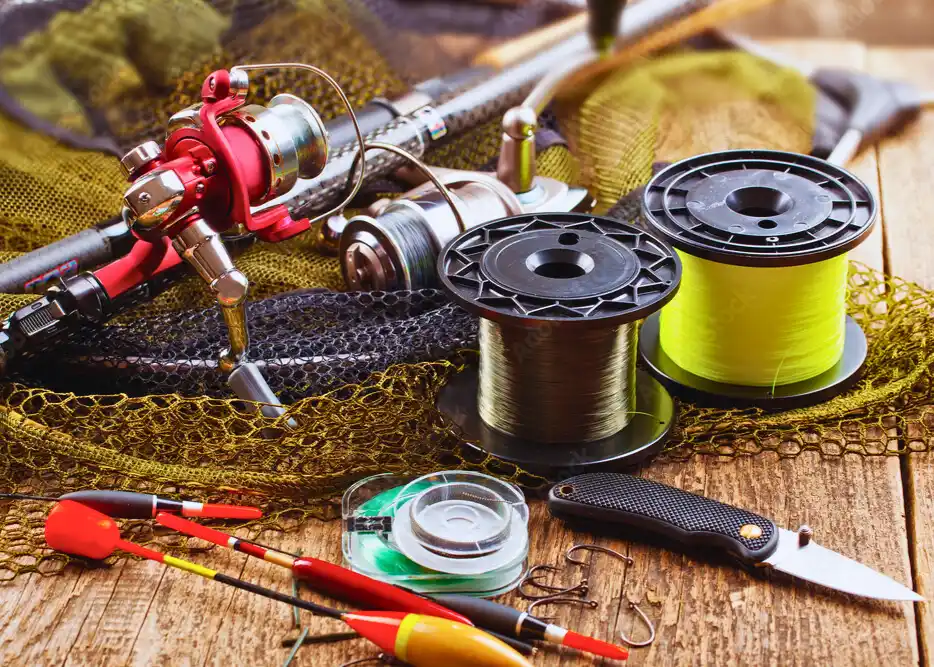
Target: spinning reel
(396, 244)
(221, 159)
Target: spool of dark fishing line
(760, 319)
(559, 295)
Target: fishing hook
(530, 578)
(589, 563)
(558, 600)
(593, 547)
(648, 623)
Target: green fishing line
(374, 555)
(756, 326)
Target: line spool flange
(555, 275)
(758, 208)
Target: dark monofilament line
(321, 610)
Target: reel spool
(291, 136)
(395, 245)
(558, 295)
(760, 319)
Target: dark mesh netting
(305, 344)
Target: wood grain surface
(906, 166)
(706, 613)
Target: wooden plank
(181, 633)
(906, 163)
(265, 622)
(108, 640)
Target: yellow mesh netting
(205, 448)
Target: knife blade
(692, 520)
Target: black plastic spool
(758, 208)
(568, 270)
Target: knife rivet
(805, 533)
(750, 531)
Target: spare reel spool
(558, 295)
(757, 210)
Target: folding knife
(692, 520)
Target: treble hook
(558, 600)
(648, 623)
(530, 578)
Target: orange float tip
(594, 646)
(79, 530)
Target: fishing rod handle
(31, 272)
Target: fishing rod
(90, 248)
(31, 272)
(272, 203)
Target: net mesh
(136, 405)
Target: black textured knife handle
(686, 518)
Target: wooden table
(877, 510)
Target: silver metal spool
(396, 245)
(292, 137)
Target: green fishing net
(116, 69)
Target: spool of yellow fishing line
(760, 318)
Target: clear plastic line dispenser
(451, 531)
